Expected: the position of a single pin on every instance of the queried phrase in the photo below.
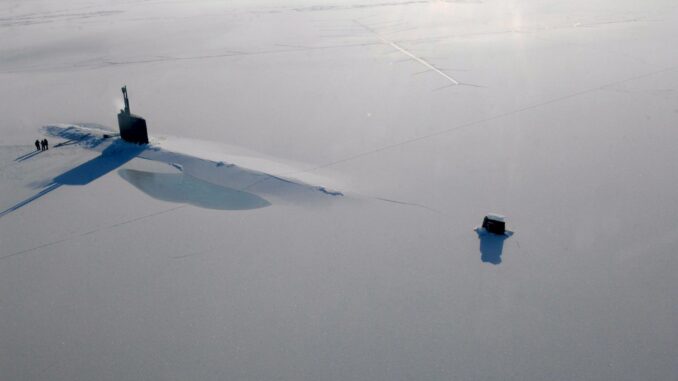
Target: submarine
(132, 127)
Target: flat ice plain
(426, 115)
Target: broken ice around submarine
(224, 166)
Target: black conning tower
(132, 127)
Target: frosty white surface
(564, 120)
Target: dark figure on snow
(46, 144)
(37, 144)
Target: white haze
(122, 268)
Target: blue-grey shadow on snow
(111, 158)
(181, 188)
(491, 245)
(28, 155)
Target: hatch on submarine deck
(132, 127)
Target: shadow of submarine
(200, 183)
(111, 158)
(177, 188)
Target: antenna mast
(124, 94)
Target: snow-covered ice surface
(169, 263)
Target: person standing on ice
(37, 144)
(46, 145)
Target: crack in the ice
(483, 120)
(406, 52)
(93, 231)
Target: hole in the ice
(180, 188)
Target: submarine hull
(132, 128)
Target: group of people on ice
(42, 145)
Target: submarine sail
(132, 127)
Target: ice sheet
(569, 131)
